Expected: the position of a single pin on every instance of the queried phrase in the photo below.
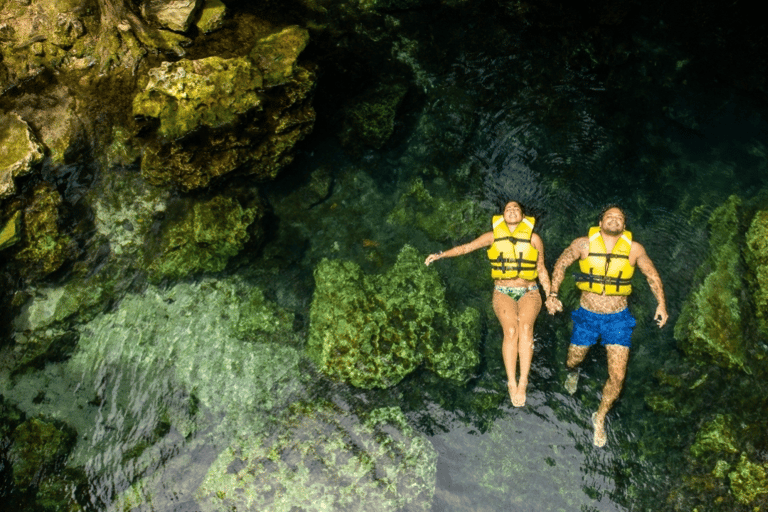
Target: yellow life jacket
(601, 271)
(512, 254)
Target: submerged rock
(44, 248)
(205, 239)
(711, 322)
(440, 218)
(748, 481)
(369, 120)
(756, 255)
(323, 458)
(36, 447)
(371, 331)
(19, 152)
(217, 115)
(715, 436)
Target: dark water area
(564, 108)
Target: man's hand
(661, 315)
(553, 305)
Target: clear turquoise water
(162, 384)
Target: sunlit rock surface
(373, 330)
(10, 232)
(711, 322)
(324, 459)
(715, 436)
(175, 15)
(212, 16)
(204, 239)
(216, 115)
(749, 481)
(19, 152)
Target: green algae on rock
(711, 322)
(748, 481)
(44, 248)
(715, 436)
(441, 219)
(371, 331)
(756, 255)
(19, 152)
(211, 16)
(369, 120)
(204, 239)
(322, 458)
(37, 446)
(10, 233)
(219, 115)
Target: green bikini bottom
(516, 292)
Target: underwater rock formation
(44, 249)
(19, 152)
(369, 119)
(371, 331)
(711, 322)
(10, 232)
(211, 16)
(204, 239)
(216, 115)
(441, 219)
(756, 256)
(176, 15)
(36, 447)
(324, 459)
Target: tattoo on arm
(565, 260)
(647, 267)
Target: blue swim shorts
(611, 328)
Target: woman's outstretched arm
(484, 240)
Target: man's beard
(613, 232)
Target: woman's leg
(528, 308)
(506, 311)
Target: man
(607, 260)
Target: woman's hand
(553, 304)
(433, 257)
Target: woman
(517, 260)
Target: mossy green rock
(711, 323)
(370, 119)
(19, 152)
(748, 481)
(323, 458)
(756, 254)
(37, 445)
(205, 239)
(716, 436)
(373, 330)
(11, 231)
(186, 95)
(216, 115)
(211, 16)
(44, 248)
(440, 218)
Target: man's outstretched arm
(648, 269)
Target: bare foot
(571, 382)
(512, 390)
(519, 399)
(600, 437)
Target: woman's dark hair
(608, 207)
(505, 203)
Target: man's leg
(576, 354)
(618, 355)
